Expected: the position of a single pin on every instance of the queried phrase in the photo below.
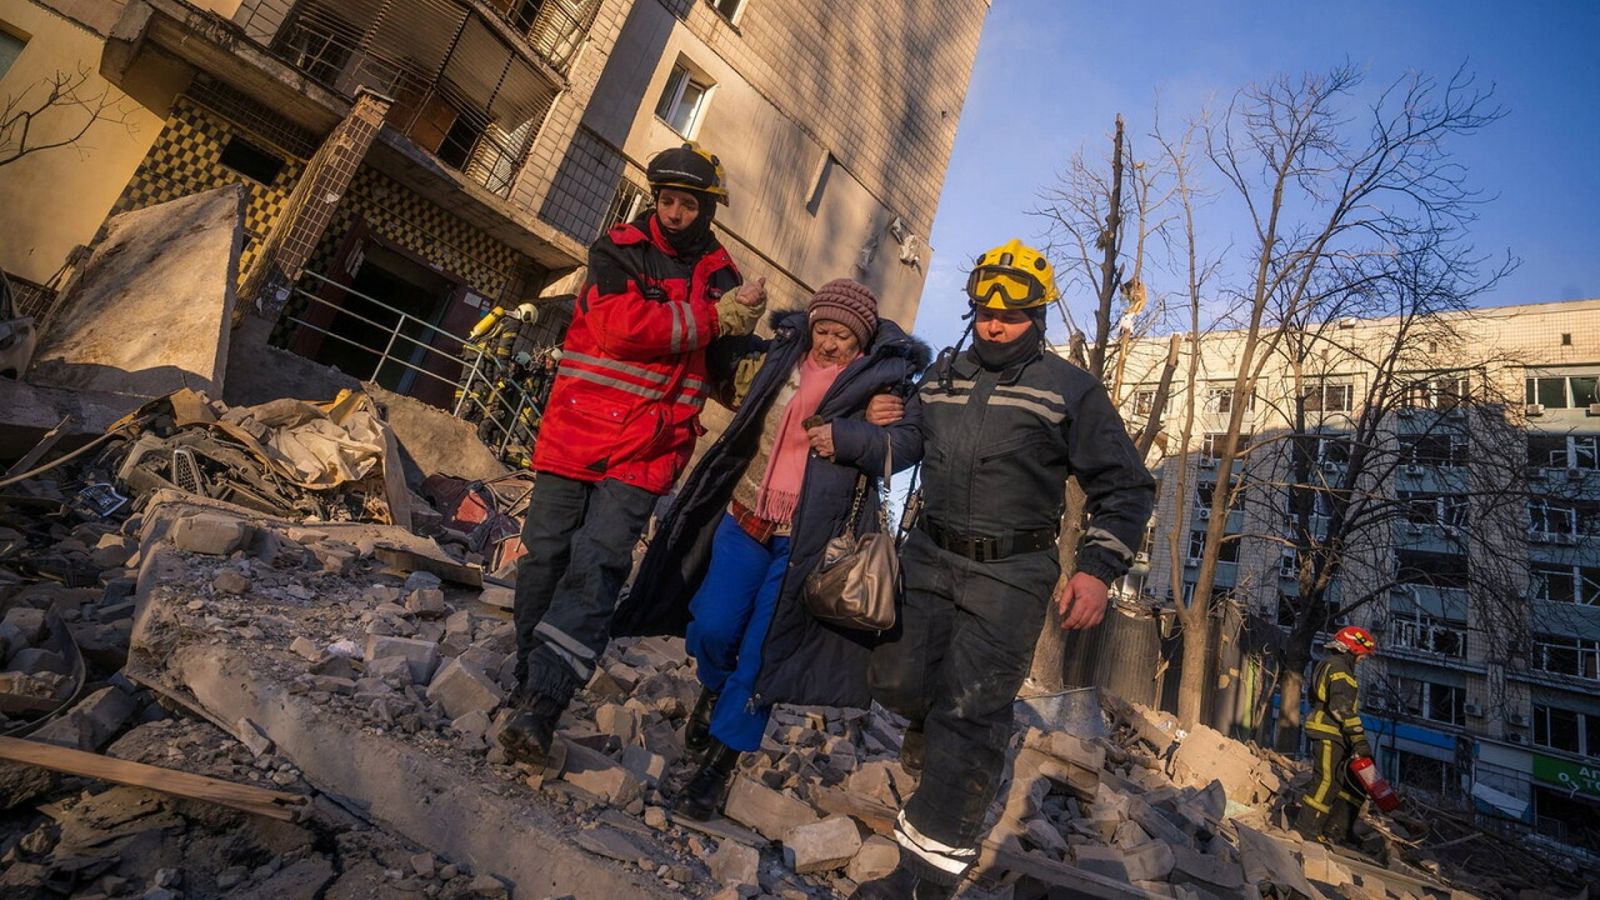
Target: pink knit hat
(849, 303)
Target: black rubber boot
(530, 731)
(702, 797)
(911, 749)
(697, 733)
(901, 884)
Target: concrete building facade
(506, 135)
(1477, 565)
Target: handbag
(857, 582)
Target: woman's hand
(885, 409)
(821, 438)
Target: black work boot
(1309, 822)
(702, 796)
(530, 730)
(901, 884)
(697, 733)
(911, 749)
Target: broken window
(682, 99)
(1446, 571)
(1571, 656)
(1144, 402)
(251, 161)
(1547, 519)
(1430, 635)
(1434, 449)
(1221, 400)
(1437, 391)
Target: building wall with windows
(834, 122)
(1481, 577)
(515, 131)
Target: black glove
(1360, 747)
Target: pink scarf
(786, 470)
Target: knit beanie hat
(849, 303)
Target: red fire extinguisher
(1366, 772)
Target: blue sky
(1051, 75)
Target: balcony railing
(461, 91)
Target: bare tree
(55, 113)
(1089, 217)
(1338, 213)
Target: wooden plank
(50, 439)
(243, 797)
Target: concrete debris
(348, 676)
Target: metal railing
(554, 28)
(484, 393)
(460, 92)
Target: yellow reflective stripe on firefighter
(1344, 676)
(1318, 798)
(1353, 722)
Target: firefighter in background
(489, 364)
(1333, 801)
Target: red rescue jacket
(627, 398)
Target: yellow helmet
(1012, 276)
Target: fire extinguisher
(1366, 773)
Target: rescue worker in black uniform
(1332, 803)
(1004, 425)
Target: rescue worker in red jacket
(1334, 737)
(620, 426)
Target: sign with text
(1573, 776)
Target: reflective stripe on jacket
(1335, 701)
(626, 400)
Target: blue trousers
(732, 612)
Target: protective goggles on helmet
(1005, 287)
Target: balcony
(471, 80)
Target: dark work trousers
(579, 538)
(954, 661)
(1333, 800)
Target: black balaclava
(697, 239)
(997, 357)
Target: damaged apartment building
(408, 167)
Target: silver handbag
(857, 582)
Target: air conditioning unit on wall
(1473, 710)
(1534, 409)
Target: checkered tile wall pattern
(187, 158)
(402, 218)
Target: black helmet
(688, 168)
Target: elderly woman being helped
(816, 407)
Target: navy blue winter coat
(804, 661)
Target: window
(1438, 391)
(1546, 519)
(1446, 703)
(1328, 397)
(10, 48)
(1562, 729)
(1433, 449)
(728, 9)
(1562, 391)
(1418, 772)
(682, 99)
(629, 202)
(1144, 402)
(1424, 508)
(1570, 656)
(251, 161)
(1563, 583)
(1227, 552)
(1564, 451)
(1566, 339)
(1445, 571)
(1429, 635)
(1221, 400)
(1289, 564)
